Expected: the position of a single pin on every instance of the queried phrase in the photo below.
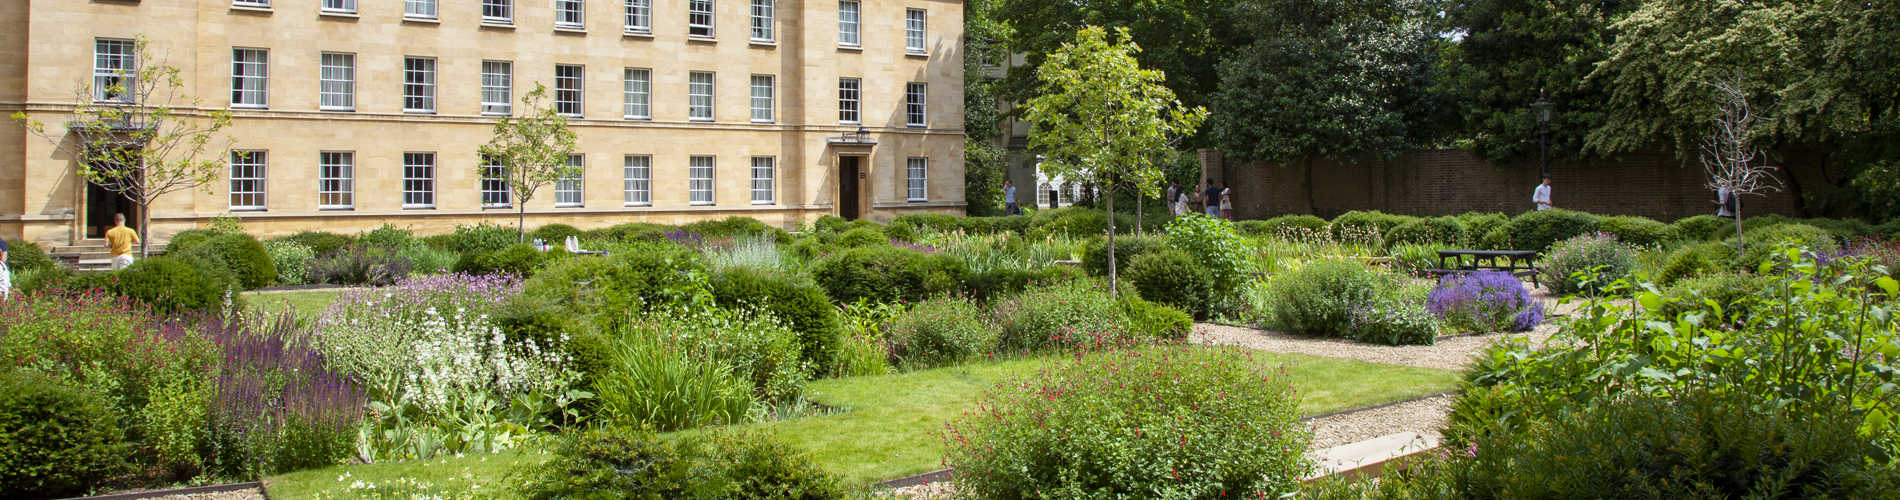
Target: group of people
(1215, 196)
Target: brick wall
(1448, 181)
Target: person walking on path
(1211, 198)
(6, 275)
(1174, 189)
(1009, 198)
(1542, 195)
(1180, 203)
(121, 238)
(1226, 202)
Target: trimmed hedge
(995, 284)
(1638, 231)
(553, 234)
(1368, 222)
(189, 238)
(863, 237)
(319, 242)
(736, 226)
(1173, 277)
(936, 222)
(887, 274)
(1479, 224)
(242, 255)
(1095, 252)
(629, 232)
(1446, 230)
(1701, 227)
(1539, 229)
(520, 260)
(1292, 223)
(176, 284)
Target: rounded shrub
(1478, 224)
(887, 274)
(993, 284)
(1733, 292)
(1760, 244)
(632, 462)
(940, 332)
(360, 265)
(1366, 222)
(243, 256)
(1288, 224)
(1694, 259)
(520, 260)
(1174, 278)
(1254, 228)
(1154, 320)
(481, 238)
(320, 243)
(934, 222)
(863, 237)
(1095, 252)
(737, 226)
(386, 236)
(189, 238)
(832, 224)
(1070, 315)
(629, 232)
(1318, 298)
(1638, 231)
(1443, 230)
(901, 231)
(292, 260)
(175, 284)
(1587, 263)
(609, 291)
(56, 439)
(1539, 229)
(553, 234)
(1177, 422)
(1700, 227)
(25, 256)
(793, 299)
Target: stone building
(353, 113)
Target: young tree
(1104, 119)
(532, 150)
(126, 136)
(1729, 154)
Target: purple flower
(1485, 301)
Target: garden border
(944, 475)
(216, 488)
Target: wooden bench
(1518, 263)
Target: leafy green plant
(650, 383)
(1584, 264)
(360, 265)
(243, 256)
(933, 222)
(1319, 297)
(483, 237)
(1372, 221)
(1764, 243)
(174, 284)
(1396, 316)
(940, 332)
(55, 439)
(291, 259)
(887, 274)
(1095, 252)
(520, 259)
(25, 256)
(863, 237)
(1700, 227)
(796, 300)
(1637, 231)
(1181, 422)
(1222, 252)
(1446, 230)
(1691, 260)
(386, 236)
(994, 284)
(1154, 320)
(1068, 315)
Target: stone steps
(1367, 459)
(91, 255)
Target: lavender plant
(275, 407)
(1485, 301)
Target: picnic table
(1518, 263)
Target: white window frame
(570, 90)
(762, 101)
(418, 180)
(498, 87)
(699, 106)
(336, 81)
(639, 16)
(263, 4)
(336, 180)
(762, 20)
(570, 14)
(850, 101)
(419, 9)
(916, 102)
(114, 61)
(495, 191)
(498, 11)
(696, 12)
(418, 84)
(701, 171)
(339, 6)
(570, 191)
(250, 173)
(763, 176)
(637, 94)
(637, 181)
(850, 23)
(914, 30)
(916, 178)
(250, 78)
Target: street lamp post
(1542, 108)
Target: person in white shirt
(1542, 195)
(1009, 198)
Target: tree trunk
(145, 231)
(1111, 242)
(1738, 224)
(1138, 211)
(521, 222)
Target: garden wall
(1450, 181)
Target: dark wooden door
(848, 187)
(101, 204)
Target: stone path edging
(180, 491)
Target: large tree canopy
(1512, 49)
(1327, 77)
(1184, 39)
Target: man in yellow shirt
(121, 238)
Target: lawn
(306, 304)
(890, 423)
(448, 476)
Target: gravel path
(250, 494)
(1425, 416)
